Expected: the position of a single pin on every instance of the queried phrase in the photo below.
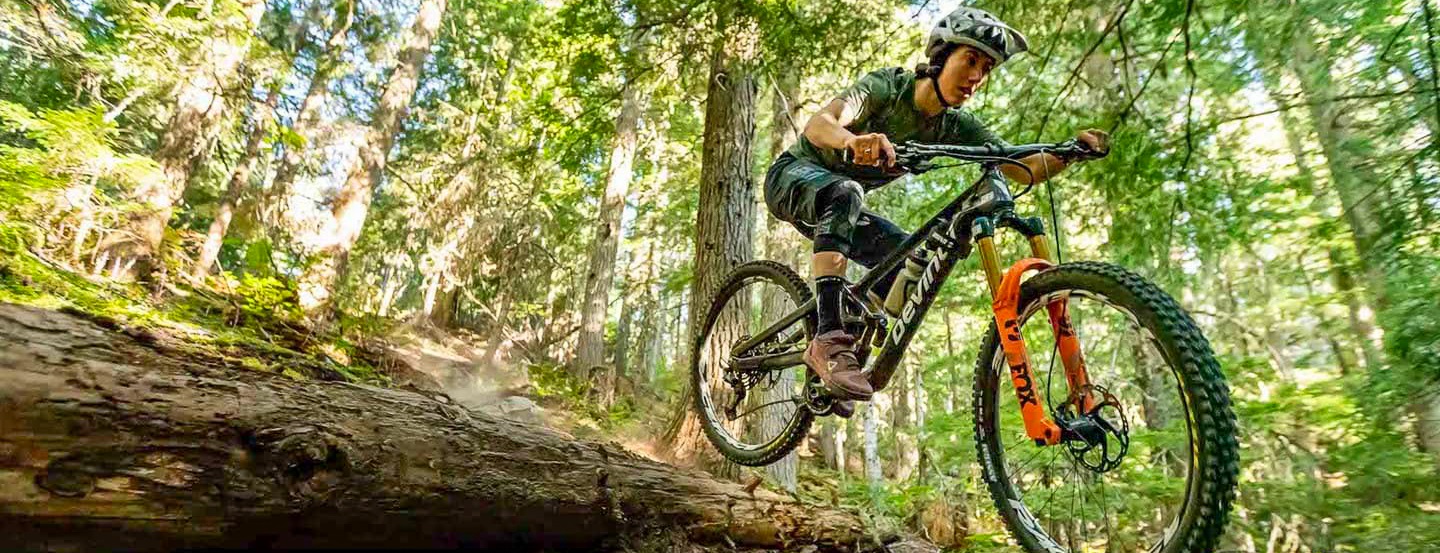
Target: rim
(774, 403)
(1066, 506)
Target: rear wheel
(753, 417)
(1162, 476)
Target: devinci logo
(922, 289)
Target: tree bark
(590, 349)
(725, 220)
(109, 440)
(783, 246)
(829, 443)
(352, 203)
(1347, 156)
(874, 472)
(906, 458)
(197, 119)
(236, 187)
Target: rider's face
(964, 71)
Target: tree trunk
(874, 472)
(198, 118)
(829, 443)
(651, 304)
(906, 457)
(1347, 156)
(390, 286)
(352, 203)
(238, 184)
(624, 333)
(921, 410)
(110, 440)
(725, 220)
(306, 120)
(1360, 317)
(780, 245)
(590, 349)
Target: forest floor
(247, 327)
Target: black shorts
(794, 192)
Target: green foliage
(266, 298)
(42, 152)
(554, 385)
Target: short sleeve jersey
(883, 102)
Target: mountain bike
(1134, 449)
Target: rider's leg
(825, 207)
(832, 353)
(839, 206)
(874, 239)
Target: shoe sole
(841, 393)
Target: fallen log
(111, 442)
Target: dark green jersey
(884, 102)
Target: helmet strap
(935, 83)
(937, 65)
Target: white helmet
(977, 28)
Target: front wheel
(1169, 475)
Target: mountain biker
(812, 187)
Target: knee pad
(840, 205)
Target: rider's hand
(872, 149)
(1096, 140)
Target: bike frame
(967, 222)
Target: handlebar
(915, 157)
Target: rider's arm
(852, 108)
(1043, 166)
(826, 128)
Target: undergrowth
(255, 326)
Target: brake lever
(1075, 149)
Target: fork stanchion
(989, 260)
(1040, 247)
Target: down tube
(942, 261)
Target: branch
(1144, 85)
(1430, 52)
(1044, 63)
(1281, 363)
(125, 102)
(1190, 91)
(1341, 98)
(1076, 71)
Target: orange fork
(1005, 293)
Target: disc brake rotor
(1097, 438)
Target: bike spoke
(1141, 411)
(1038, 452)
(764, 405)
(1105, 515)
